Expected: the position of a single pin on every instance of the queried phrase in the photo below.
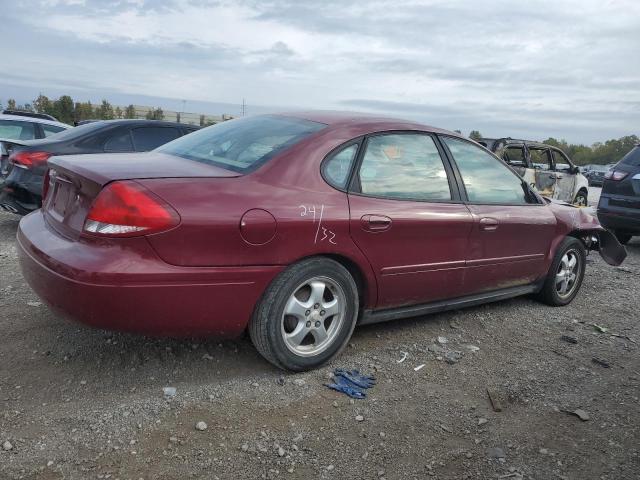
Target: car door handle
(488, 224)
(375, 223)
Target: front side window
(16, 130)
(485, 178)
(561, 162)
(243, 144)
(337, 167)
(403, 167)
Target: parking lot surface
(79, 403)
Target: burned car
(296, 228)
(544, 167)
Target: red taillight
(615, 175)
(29, 159)
(126, 208)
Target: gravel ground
(78, 403)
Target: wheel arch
(362, 275)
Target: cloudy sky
(563, 68)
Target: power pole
(243, 108)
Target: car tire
(306, 316)
(565, 277)
(623, 238)
(581, 199)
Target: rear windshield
(76, 132)
(243, 144)
(632, 158)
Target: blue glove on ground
(355, 377)
(351, 382)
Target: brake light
(615, 175)
(29, 159)
(126, 209)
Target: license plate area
(63, 193)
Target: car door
(512, 230)
(544, 176)
(565, 177)
(407, 218)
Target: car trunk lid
(75, 181)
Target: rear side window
(120, 141)
(148, 138)
(51, 129)
(485, 178)
(632, 158)
(243, 144)
(403, 167)
(337, 167)
(15, 130)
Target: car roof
(143, 121)
(373, 122)
(22, 118)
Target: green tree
(155, 114)
(42, 104)
(64, 109)
(11, 104)
(105, 111)
(130, 112)
(118, 112)
(84, 111)
(475, 135)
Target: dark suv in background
(619, 206)
(23, 163)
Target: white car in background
(17, 125)
(544, 167)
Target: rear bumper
(621, 219)
(126, 287)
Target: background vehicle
(596, 174)
(16, 125)
(297, 227)
(25, 163)
(546, 168)
(619, 206)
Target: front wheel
(581, 199)
(566, 273)
(306, 316)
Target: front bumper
(125, 286)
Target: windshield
(243, 144)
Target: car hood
(103, 168)
(578, 219)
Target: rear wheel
(306, 315)
(566, 273)
(623, 238)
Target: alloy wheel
(567, 273)
(313, 316)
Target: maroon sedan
(297, 228)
